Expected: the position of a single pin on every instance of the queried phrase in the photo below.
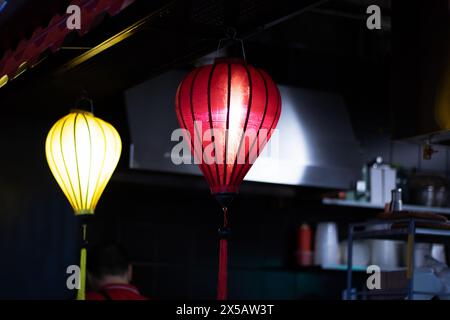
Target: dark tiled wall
(38, 231)
(171, 235)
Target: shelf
(381, 293)
(427, 235)
(399, 292)
(313, 269)
(343, 267)
(368, 205)
(412, 231)
(285, 268)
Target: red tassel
(223, 270)
(222, 281)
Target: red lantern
(229, 109)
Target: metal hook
(231, 33)
(233, 39)
(218, 47)
(85, 97)
(243, 50)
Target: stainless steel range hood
(313, 146)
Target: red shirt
(116, 292)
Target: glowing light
(286, 156)
(20, 70)
(4, 80)
(82, 152)
(238, 94)
(232, 99)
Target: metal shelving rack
(410, 231)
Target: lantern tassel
(81, 294)
(222, 281)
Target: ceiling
(306, 42)
(318, 44)
(11, 8)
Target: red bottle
(304, 246)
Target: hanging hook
(243, 50)
(84, 98)
(231, 34)
(218, 47)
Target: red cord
(222, 280)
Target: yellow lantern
(82, 152)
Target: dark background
(169, 222)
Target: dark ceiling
(10, 8)
(322, 44)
